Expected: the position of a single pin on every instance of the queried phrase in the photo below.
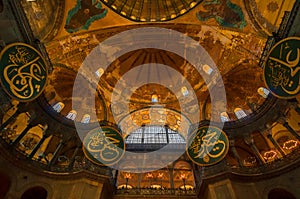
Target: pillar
(249, 141)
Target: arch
(31, 138)
(15, 128)
(37, 192)
(5, 183)
(280, 193)
(183, 175)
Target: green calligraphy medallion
(104, 146)
(281, 71)
(23, 72)
(207, 145)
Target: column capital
(249, 140)
(282, 120)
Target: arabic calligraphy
(104, 145)
(281, 71)
(209, 145)
(23, 72)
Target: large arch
(5, 183)
(37, 192)
(279, 193)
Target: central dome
(151, 10)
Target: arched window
(183, 175)
(35, 193)
(99, 72)
(58, 107)
(72, 115)
(239, 113)
(86, 119)
(184, 91)
(154, 98)
(263, 92)
(224, 117)
(207, 69)
(31, 139)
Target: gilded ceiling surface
(233, 32)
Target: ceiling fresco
(233, 32)
(224, 12)
(229, 50)
(83, 14)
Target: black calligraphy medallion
(23, 72)
(207, 145)
(104, 145)
(281, 71)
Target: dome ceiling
(230, 51)
(151, 10)
(223, 28)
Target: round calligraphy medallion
(23, 72)
(207, 145)
(281, 71)
(104, 145)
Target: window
(154, 98)
(72, 115)
(207, 69)
(263, 92)
(184, 91)
(154, 134)
(86, 119)
(224, 117)
(58, 107)
(99, 72)
(239, 113)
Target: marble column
(277, 146)
(235, 153)
(56, 153)
(249, 141)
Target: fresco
(84, 14)
(225, 12)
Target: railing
(81, 164)
(151, 191)
(274, 166)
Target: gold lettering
(211, 146)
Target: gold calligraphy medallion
(104, 145)
(23, 72)
(281, 71)
(207, 145)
